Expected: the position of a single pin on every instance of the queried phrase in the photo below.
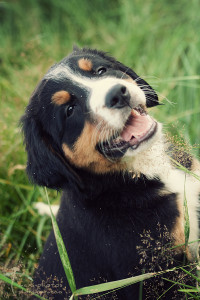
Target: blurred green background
(160, 40)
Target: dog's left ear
(151, 95)
(46, 166)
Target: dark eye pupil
(70, 110)
(101, 70)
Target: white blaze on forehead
(98, 88)
(63, 71)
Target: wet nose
(117, 97)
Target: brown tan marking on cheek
(60, 97)
(84, 155)
(85, 64)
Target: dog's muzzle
(138, 128)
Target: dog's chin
(138, 134)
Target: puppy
(88, 133)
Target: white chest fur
(156, 163)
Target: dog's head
(88, 112)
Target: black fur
(103, 229)
(113, 225)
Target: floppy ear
(45, 166)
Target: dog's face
(90, 111)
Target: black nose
(117, 97)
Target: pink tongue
(137, 126)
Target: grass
(160, 40)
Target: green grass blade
(7, 233)
(195, 290)
(189, 293)
(11, 282)
(179, 283)
(186, 218)
(190, 274)
(21, 186)
(39, 232)
(103, 287)
(174, 283)
(185, 169)
(62, 250)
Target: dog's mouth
(138, 128)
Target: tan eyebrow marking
(85, 64)
(60, 97)
(131, 80)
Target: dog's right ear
(46, 166)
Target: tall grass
(159, 40)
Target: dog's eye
(101, 70)
(70, 110)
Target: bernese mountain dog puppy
(88, 133)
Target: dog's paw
(43, 209)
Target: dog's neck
(153, 163)
(149, 165)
